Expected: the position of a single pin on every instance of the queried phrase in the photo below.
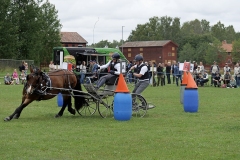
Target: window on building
(229, 53)
(140, 49)
(173, 48)
(129, 49)
(129, 55)
(66, 45)
(173, 54)
(141, 54)
(73, 45)
(169, 54)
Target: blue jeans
(237, 81)
(130, 78)
(82, 76)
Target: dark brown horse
(41, 86)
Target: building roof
(72, 37)
(226, 46)
(147, 43)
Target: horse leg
(70, 109)
(60, 113)
(16, 114)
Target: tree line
(197, 40)
(29, 29)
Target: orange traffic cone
(185, 78)
(121, 86)
(190, 82)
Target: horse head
(33, 81)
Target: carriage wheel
(105, 107)
(139, 107)
(89, 108)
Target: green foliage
(187, 53)
(236, 51)
(215, 52)
(31, 27)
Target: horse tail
(79, 100)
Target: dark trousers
(168, 78)
(160, 78)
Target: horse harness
(45, 83)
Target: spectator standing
(226, 68)
(15, 76)
(22, 67)
(177, 73)
(201, 67)
(94, 68)
(227, 77)
(214, 70)
(160, 74)
(51, 66)
(83, 71)
(168, 72)
(195, 65)
(26, 68)
(152, 65)
(130, 75)
(8, 80)
(237, 74)
(172, 71)
(23, 77)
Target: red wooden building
(72, 39)
(156, 51)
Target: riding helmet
(116, 55)
(138, 57)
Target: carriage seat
(112, 81)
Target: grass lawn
(166, 132)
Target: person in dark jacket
(160, 74)
(168, 72)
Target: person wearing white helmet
(114, 69)
(141, 72)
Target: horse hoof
(7, 119)
(57, 116)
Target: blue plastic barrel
(60, 100)
(122, 109)
(182, 92)
(190, 102)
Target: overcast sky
(97, 20)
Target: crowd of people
(15, 77)
(170, 73)
(158, 74)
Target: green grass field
(166, 132)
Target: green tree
(29, 29)
(236, 51)
(200, 52)
(218, 30)
(8, 30)
(230, 34)
(215, 52)
(187, 53)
